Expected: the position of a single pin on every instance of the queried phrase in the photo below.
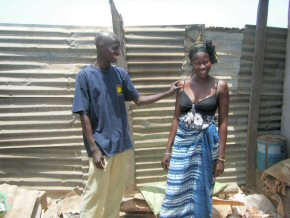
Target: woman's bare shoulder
(183, 83)
(223, 83)
(222, 86)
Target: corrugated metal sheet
(40, 139)
(273, 76)
(229, 45)
(155, 56)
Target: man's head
(108, 46)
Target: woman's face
(201, 64)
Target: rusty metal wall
(229, 45)
(273, 76)
(40, 139)
(155, 56)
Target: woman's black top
(206, 106)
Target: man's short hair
(104, 36)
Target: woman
(195, 148)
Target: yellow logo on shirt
(119, 89)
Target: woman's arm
(223, 108)
(172, 133)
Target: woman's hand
(220, 166)
(165, 161)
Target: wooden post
(256, 87)
(286, 92)
(118, 29)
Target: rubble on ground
(276, 180)
(66, 207)
(230, 200)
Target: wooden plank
(286, 93)
(122, 62)
(256, 86)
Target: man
(100, 95)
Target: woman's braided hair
(206, 47)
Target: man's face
(111, 50)
(114, 51)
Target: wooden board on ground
(28, 203)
